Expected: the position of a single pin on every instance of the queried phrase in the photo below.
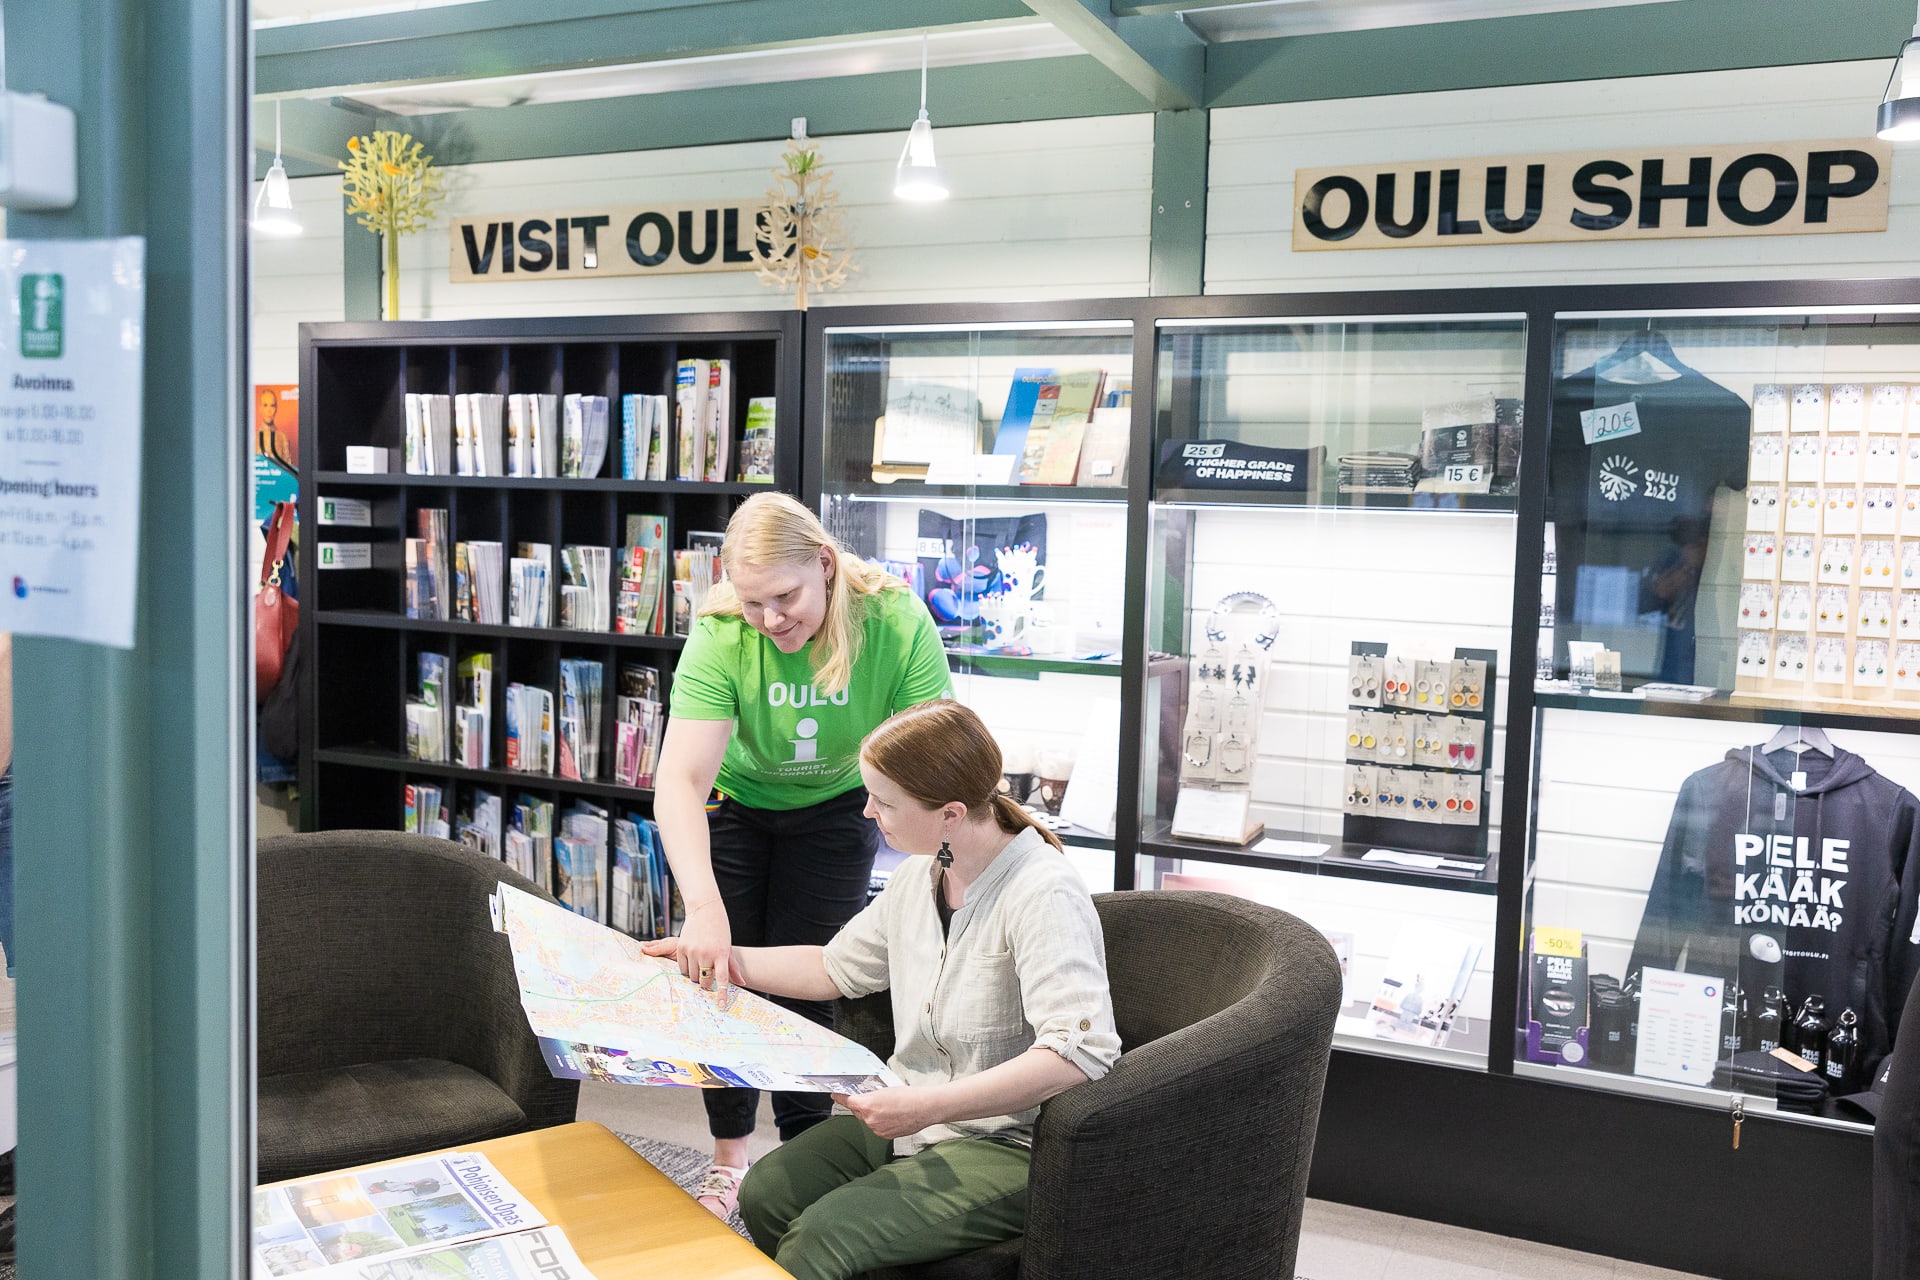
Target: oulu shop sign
(623, 240)
(1763, 189)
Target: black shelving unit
(360, 649)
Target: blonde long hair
(771, 529)
(939, 752)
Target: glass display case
(1719, 900)
(1332, 548)
(986, 464)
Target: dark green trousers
(834, 1203)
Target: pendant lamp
(273, 203)
(1900, 106)
(917, 176)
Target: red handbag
(275, 616)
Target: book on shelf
(1103, 454)
(924, 421)
(643, 441)
(529, 729)
(639, 722)
(580, 858)
(1060, 415)
(429, 592)
(1010, 437)
(582, 695)
(718, 459)
(478, 824)
(696, 571)
(533, 431)
(477, 582)
(583, 436)
(639, 884)
(473, 717)
(756, 442)
(691, 417)
(428, 449)
(424, 813)
(529, 840)
(586, 602)
(430, 718)
(644, 575)
(530, 601)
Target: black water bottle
(1733, 1020)
(1843, 1049)
(1609, 1042)
(1765, 1018)
(1810, 1031)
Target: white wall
(1045, 209)
(1255, 151)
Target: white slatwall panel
(1044, 209)
(1374, 914)
(296, 280)
(1607, 789)
(1420, 582)
(1255, 151)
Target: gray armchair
(389, 1021)
(1226, 1011)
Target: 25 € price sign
(72, 352)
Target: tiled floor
(1338, 1242)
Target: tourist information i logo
(42, 317)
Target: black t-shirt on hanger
(1632, 513)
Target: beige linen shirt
(1024, 966)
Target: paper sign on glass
(71, 362)
(1679, 1026)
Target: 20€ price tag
(1610, 423)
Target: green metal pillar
(361, 275)
(132, 796)
(1177, 247)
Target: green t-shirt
(793, 746)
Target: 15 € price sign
(72, 352)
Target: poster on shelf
(276, 446)
(70, 402)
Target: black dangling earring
(945, 856)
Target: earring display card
(1428, 755)
(1840, 564)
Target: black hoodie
(1819, 872)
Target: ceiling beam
(1157, 55)
(1143, 8)
(1593, 44)
(993, 93)
(526, 37)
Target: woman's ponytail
(1013, 819)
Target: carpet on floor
(682, 1164)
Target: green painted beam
(1157, 55)
(1594, 44)
(1177, 245)
(1040, 89)
(523, 37)
(132, 834)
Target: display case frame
(822, 485)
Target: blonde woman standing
(801, 653)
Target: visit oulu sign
(622, 240)
(1650, 193)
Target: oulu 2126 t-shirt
(792, 745)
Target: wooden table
(626, 1219)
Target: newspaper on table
(605, 1010)
(449, 1217)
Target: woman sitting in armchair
(992, 952)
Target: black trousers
(789, 877)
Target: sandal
(719, 1190)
